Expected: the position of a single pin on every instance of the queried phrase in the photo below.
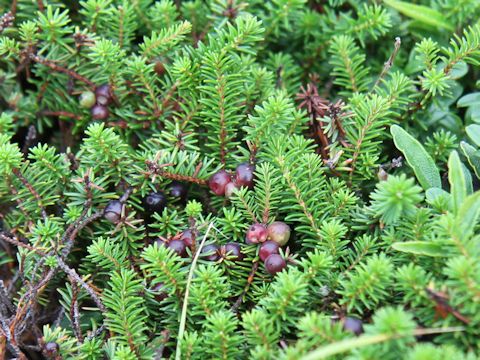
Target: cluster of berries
(271, 238)
(222, 183)
(154, 202)
(98, 101)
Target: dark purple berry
(188, 237)
(244, 175)
(178, 246)
(275, 263)
(87, 99)
(178, 190)
(113, 211)
(51, 349)
(268, 248)
(353, 325)
(233, 252)
(256, 233)
(230, 189)
(210, 252)
(279, 232)
(100, 112)
(159, 292)
(219, 181)
(103, 94)
(155, 202)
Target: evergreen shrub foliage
(361, 120)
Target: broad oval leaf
(473, 132)
(423, 14)
(419, 248)
(417, 158)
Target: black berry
(159, 292)
(268, 248)
(279, 232)
(256, 233)
(178, 190)
(51, 349)
(244, 175)
(233, 252)
(210, 252)
(113, 211)
(275, 263)
(87, 99)
(353, 325)
(155, 202)
(100, 112)
(219, 181)
(178, 246)
(188, 237)
(103, 94)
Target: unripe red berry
(279, 232)
(155, 202)
(219, 181)
(188, 237)
(113, 211)
(210, 252)
(178, 190)
(51, 349)
(103, 94)
(233, 252)
(256, 233)
(275, 263)
(268, 248)
(100, 112)
(244, 175)
(353, 325)
(87, 99)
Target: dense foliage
(130, 225)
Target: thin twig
(56, 67)
(389, 63)
(73, 274)
(250, 278)
(74, 314)
(183, 318)
(30, 188)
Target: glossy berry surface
(178, 246)
(268, 248)
(113, 211)
(159, 292)
(353, 325)
(100, 112)
(219, 181)
(188, 238)
(87, 99)
(256, 233)
(155, 202)
(244, 175)
(275, 263)
(103, 94)
(51, 349)
(279, 232)
(210, 252)
(233, 252)
(230, 189)
(178, 190)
